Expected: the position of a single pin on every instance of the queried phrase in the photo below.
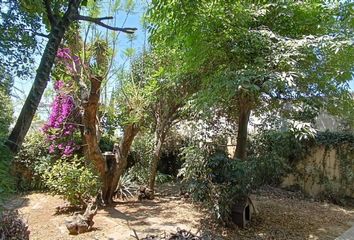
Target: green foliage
(107, 142)
(216, 180)
(7, 181)
(140, 158)
(264, 55)
(17, 39)
(75, 181)
(5, 105)
(12, 226)
(32, 152)
(343, 144)
(276, 153)
(334, 139)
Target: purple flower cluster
(60, 127)
(72, 63)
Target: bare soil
(282, 215)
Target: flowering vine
(61, 127)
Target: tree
(172, 90)
(58, 16)
(260, 57)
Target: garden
(164, 119)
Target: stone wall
(324, 170)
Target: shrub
(33, 151)
(216, 180)
(274, 155)
(7, 181)
(12, 226)
(107, 143)
(140, 158)
(7, 184)
(75, 181)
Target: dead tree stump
(82, 222)
(145, 193)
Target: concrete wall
(321, 171)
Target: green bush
(274, 154)
(33, 151)
(107, 142)
(75, 181)
(140, 158)
(216, 180)
(7, 181)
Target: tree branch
(41, 34)
(49, 12)
(98, 22)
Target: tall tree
(172, 90)
(262, 56)
(58, 15)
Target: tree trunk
(93, 151)
(110, 172)
(33, 99)
(121, 157)
(159, 140)
(241, 145)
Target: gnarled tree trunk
(89, 120)
(121, 157)
(111, 172)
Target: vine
(61, 128)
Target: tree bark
(33, 99)
(241, 145)
(159, 140)
(93, 151)
(110, 173)
(121, 157)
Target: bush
(140, 158)
(75, 181)
(274, 155)
(33, 151)
(12, 226)
(107, 142)
(7, 181)
(216, 180)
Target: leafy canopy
(290, 56)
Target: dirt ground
(282, 215)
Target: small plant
(75, 181)
(12, 226)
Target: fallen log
(82, 222)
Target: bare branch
(41, 34)
(49, 12)
(98, 22)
